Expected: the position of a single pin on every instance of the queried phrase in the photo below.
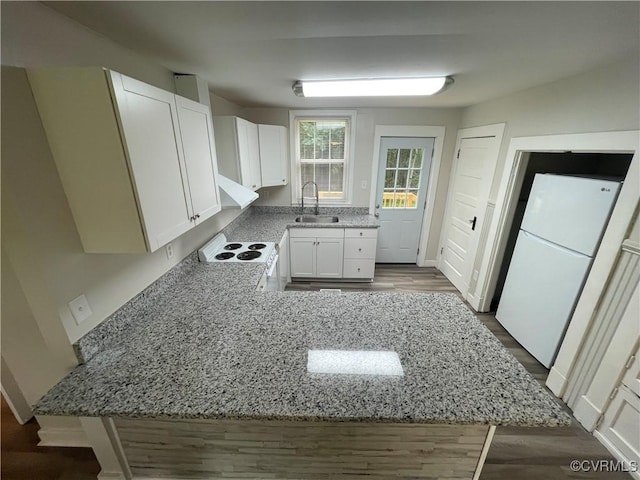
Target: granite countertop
(202, 343)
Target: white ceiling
(252, 52)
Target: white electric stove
(219, 250)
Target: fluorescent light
(382, 87)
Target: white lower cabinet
(360, 253)
(316, 252)
(348, 253)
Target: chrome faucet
(317, 197)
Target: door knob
(376, 215)
(378, 205)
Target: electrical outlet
(363, 185)
(169, 250)
(80, 309)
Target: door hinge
(458, 156)
(613, 393)
(630, 362)
(425, 204)
(418, 251)
(441, 250)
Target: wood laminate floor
(516, 453)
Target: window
(322, 154)
(402, 178)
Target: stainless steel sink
(316, 219)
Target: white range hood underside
(234, 195)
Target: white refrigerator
(562, 226)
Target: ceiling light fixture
(380, 87)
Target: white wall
(366, 121)
(39, 238)
(601, 100)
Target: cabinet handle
(197, 215)
(192, 219)
(284, 180)
(358, 268)
(253, 186)
(359, 249)
(360, 233)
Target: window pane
(307, 135)
(412, 199)
(337, 177)
(416, 157)
(322, 177)
(337, 142)
(392, 158)
(306, 173)
(401, 183)
(390, 179)
(405, 154)
(414, 178)
(322, 142)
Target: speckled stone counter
(212, 347)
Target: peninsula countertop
(204, 344)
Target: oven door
(273, 279)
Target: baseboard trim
(586, 413)
(556, 382)
(63, 437)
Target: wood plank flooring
(22, 459)
(516, 453)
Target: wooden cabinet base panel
(219, 449)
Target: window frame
(349, 161)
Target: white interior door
(469, 191)
(403, 176)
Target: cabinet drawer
(358, 268)
(316, 232)
(361, 233)
(360, 248)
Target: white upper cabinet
(238, 150)
(196, 132)
(136, 162)
(273, 155)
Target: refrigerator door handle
(473, 223)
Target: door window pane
(392, 158)
(402, 178)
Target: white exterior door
(469, 191)
(400, 200)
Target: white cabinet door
(620, 429)
(329, 257)
(196, 130)
(150, 129)
(273, 155)
(248, 153)
(303, 257)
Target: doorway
(426, 241)
(606, 166)
(401, 190)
